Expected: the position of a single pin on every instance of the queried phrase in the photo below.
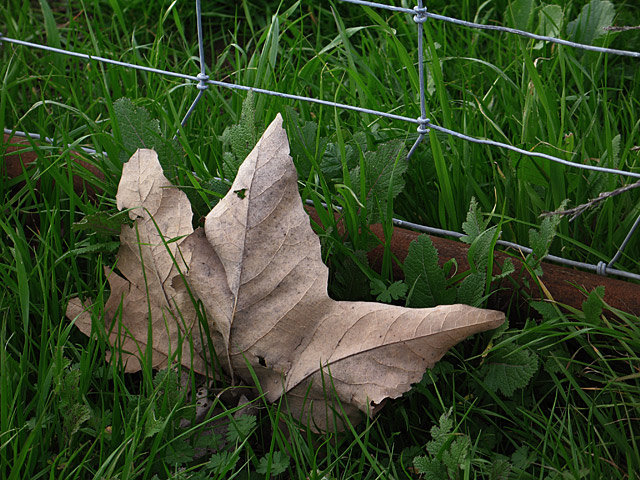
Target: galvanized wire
(499, 28)
(420, 15)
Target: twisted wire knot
(202, 78)
(421, 14)
(601, 268)
(422, 125)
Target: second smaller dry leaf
(152, 296)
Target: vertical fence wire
(420, 15)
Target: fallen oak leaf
(258, 271)
(152, 262)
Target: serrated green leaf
(221, 462)
(591, 24)
(507, 269)
(387, 294)
(440, 434)
(74, 416)
(593, 305)
(279, 464)
(153, 425)
(471, 288)
(500, 470)
(540, 241)
(383, 177)
(522, 457)
(430, 468)
(138, 130)
(239, 139)
(455, 456)
(474, 225)
(179, 453)
(424, 277)
(241, 428)
(546, 309)
(509, 368)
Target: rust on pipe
(18, 155)
(559, 282)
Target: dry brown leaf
(257, 269)
(259, 273)
(151, 259)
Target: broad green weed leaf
(424, 277)
(521, 12)
(551, 20)
(139, 130)
(471, 288)
(509, 368)
(592, 22)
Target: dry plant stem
(580, 209)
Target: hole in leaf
(262, 362)
(241, 193)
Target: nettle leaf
(139, 130)
(509, 368)
(500, 470)
(471, 289)
(239, 139)
(384, 169)
(424, 277)
(430, 468)
(595, 17)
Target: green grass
(67, 413)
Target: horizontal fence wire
(498, 28)
(420, 15)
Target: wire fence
(420, 15)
